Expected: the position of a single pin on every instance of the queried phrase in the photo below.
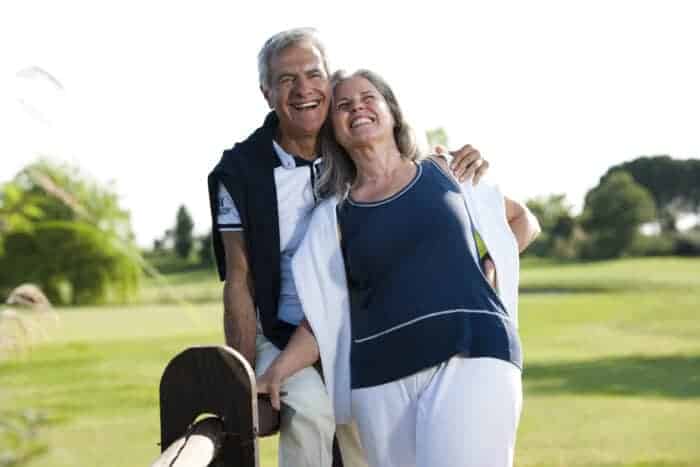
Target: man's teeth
(360, 121)
(308, 105)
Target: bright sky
(551, 92)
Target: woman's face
(360, 114)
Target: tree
(206, 254)
(558, 227)
(184, 241)
(63, 192)
(16, 211)
(437, 136)
(67, 233)
(613, 212)
(674, 185)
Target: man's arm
(525, 228)
(522, 222)
(239, 307)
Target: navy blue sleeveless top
(417, 293)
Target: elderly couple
(340, 244)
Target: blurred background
(112, 114)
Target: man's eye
(285, 80)
(342, 106)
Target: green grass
(612, 373)
(199, 286)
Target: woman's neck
(381, 172)
(376, 162)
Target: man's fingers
(463, 151)
(470, 170)
(481, 170)
(461, 163)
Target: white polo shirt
(294, 181)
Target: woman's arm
(301, 351)
(522, 222)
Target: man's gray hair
(280, 41)
(339, 170)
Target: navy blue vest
(247, 172)
(417, 293)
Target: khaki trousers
(307, 424)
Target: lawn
(612, 373)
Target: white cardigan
(319, 274)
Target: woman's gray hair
(280, 41)
(339, 170)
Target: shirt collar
(289, 161)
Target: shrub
(613, 213)
(73, 262)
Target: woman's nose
(357, 105)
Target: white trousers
(462, 413)
(307, 424)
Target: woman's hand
(270, 383)
(301, 351)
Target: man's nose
(303, 86)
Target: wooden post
(217, 381)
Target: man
(261, 195)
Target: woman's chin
(364, 137)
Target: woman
(416, 345)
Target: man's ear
(266, 95)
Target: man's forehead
(299, 57)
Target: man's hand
(466, 163)
(489, 270)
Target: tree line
(68, 234)
(652, 192)
(179, 249)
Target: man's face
(298, 90)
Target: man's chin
(302, 125)
(307, 128)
